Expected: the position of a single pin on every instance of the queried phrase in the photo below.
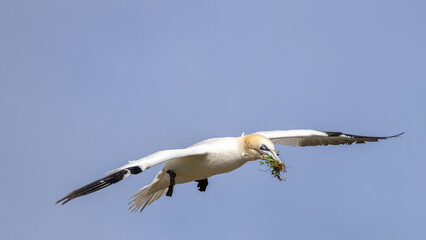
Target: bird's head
(259, 147)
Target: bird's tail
(145, 196)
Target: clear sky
(86, 86)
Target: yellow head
(259, 147)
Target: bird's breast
(204, 166)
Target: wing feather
(308, 137)
(162, 156)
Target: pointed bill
(273, 155)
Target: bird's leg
(202, 184)
(172, 183)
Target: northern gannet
(211, 157)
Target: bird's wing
(308, 137)
(133, 167)
(162, 156)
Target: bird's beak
(273, 155)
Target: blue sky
(86, 86)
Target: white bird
(211, 157)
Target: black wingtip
(99, 184)
(397, 135)
(66, 198)
(393, 136)
(371, 138)
(60, 200)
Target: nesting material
(275, 167)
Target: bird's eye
(263, 147)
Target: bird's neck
(246, 149)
